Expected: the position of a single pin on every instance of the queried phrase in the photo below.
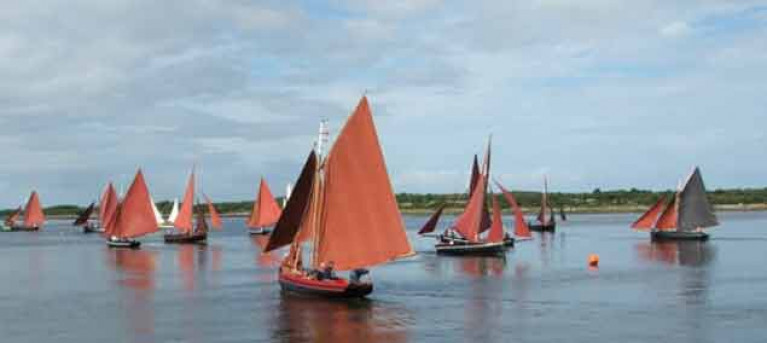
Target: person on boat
(326, 271)
(356, 275)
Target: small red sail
(135, 216)
(360, 225)
(468, 224)
(266, 210)
(183, 221)
(667, 220)
(521, 229)
(110, 210)
(431, 224)
(33, 213)
(215, 218)
(646, 221)
(13, 217)
(496, 228)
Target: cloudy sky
(593, 93)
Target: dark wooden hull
(329, 288)
(678, 236)
(471, 249)
(21, 228)
(542, 228)
(124, 244)
(182, 238)
(509, 242)
(260, 231)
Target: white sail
(157, 214)
(288, 190)
(173, 211)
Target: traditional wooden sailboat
(83, 219)
(186, 231)
(521, 230)
(265, 211)
(133, 217)
(345, 206)
(545, 220)
(33, 216)
(684, 218)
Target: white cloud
(676, 29)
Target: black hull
(21, 228)
(509, 242)
(180, 238)
(659, 236)
(124, 244)
(471, 249)
(542, 228)
(91, 229)
(352, 290)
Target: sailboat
(133, 217)
(33, 216)
(463, 237)
(186, 231)
(521, 230)
(344, 205)
(265, 211)
(684, 217)
(545, 220)
(11, 218)
(83, 219)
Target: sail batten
(360, 223)
(695, 211)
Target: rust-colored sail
(468, 224)
(33, 213)
(474, 175)
(292, 217)
(667, 220)
(183, 222)
(215, 218)
(646, 221)
(110, 210)
(135, 215)
(521, 229)
(431, 224)
(82, 219)
(266, 210)
(106, 202)
(496, 228)
(13, 217)
(360, 225)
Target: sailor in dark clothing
(357, 274)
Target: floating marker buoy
(593, 260)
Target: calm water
(60, 285)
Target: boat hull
(509, 242)
(329, 288)
(182, 238)
(92, 229)
(678, 236)
(542, 228)
(259, 231)
(21, 228)
(123, 244)
(471, 249)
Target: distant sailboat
(545, 220)
(684, 218)
(265, 211)
(187, 231)
(133, 217)
(33, 216)
(463, 237)
(11, 218)
(83, 219)
(345, 205)
(521, 230)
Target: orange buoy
(593, 260)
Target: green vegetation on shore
(595, 201)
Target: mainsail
(215, 218)
(647, 220)
(183, 222)
(468, 224)
(694, 210)
(266, 211)
(496, 228)
(33, 213)
(134, 216)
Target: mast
(322, 140)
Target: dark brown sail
(474, 175)
(431, 224)
(290, 221)
(694, 210)
(85, 215)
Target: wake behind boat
(343, 204)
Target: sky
(592, 93)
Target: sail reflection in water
(315, 320)
(136, 275)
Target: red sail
(646, 221)
(360, 224)
(474, 175)
(13, 217)
(110, 210)
(667, 220)
(135, 216)
(431, 224)
(215, 218)
(520, 225)
(496, 228)
(103, 201)
(33, 213)
(183, 221)
(468, 224)
(266, 211)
